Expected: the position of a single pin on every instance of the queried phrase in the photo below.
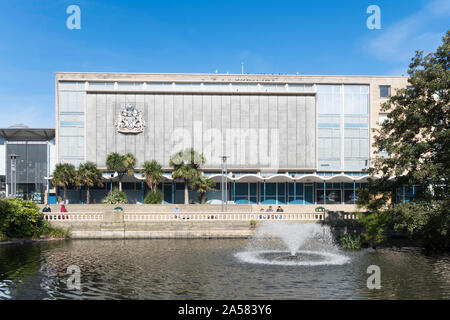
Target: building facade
(289, 139)
(28, 160)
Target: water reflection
(208, 269)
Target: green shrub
(375, 226)
(350, 242)
(3, 237)
(22, 219)
(154, 197)
(116, 197)
(50, 231)
(19, 218)
(252, 223)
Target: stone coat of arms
(130, 120)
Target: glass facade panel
(31, 169)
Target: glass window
(382, 117)
(331, 196)
(385, 91)
(101, 85)
(329, 99)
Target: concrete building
(291, 139)
(33, 153)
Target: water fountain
(285, 243)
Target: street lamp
(224, 185)
(13, 158)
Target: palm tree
(122, 164)
(202, 184)
(129, 163)
(153, 173)
(186, 166)
(89, 175)
(64, 175)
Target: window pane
(385, 91)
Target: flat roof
(220, 77)
(27, 133)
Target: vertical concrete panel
(168, 128)
(91, 127)
(254, 112)
(310, 131)
(216, 111)
(188, 119)
(226, 120)
(235, 111)
(301, 132)
(197, 117)
(140, 138)
(130, 139)
(206, 126)
(273, 111)
(292, 131)
(263, 142)
(178, 120)
(282, 128)
(101, 129)
(110, 127)
(150, 101)
(120, 138)
(159, 128)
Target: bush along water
(350, 242)
(21, 219)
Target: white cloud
(398, 42)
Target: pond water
(211, 269)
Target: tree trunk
(186, 193)
(65, 189)
(120, 184)
(202, 197)
(87, 195)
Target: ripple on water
(285, 258)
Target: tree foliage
(64, 175)
(153, 173)
(122, 164)
(186, 166)
(417, 140)
(89, 175)
(202, 184)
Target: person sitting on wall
(176, 209)
(47, 209)
(269, 209)
(279, 209)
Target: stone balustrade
(193, 216)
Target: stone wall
(113, 226)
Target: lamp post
(224, 185)
(13, 158)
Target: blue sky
(308, 37)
